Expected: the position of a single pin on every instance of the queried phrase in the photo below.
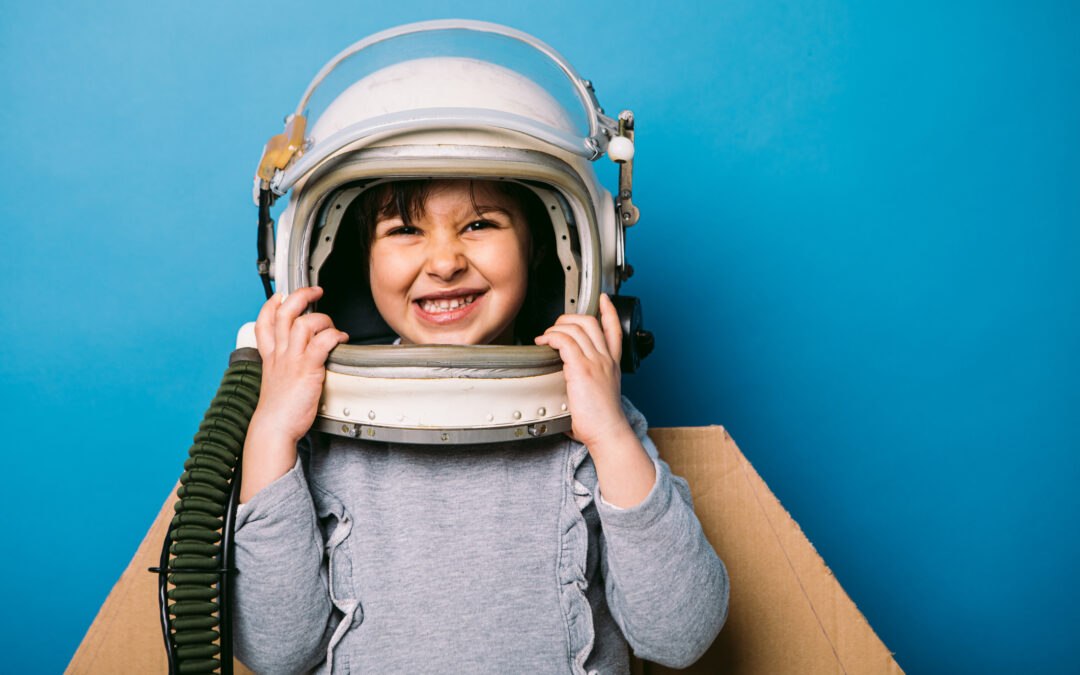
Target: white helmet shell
(440, 82)
(449, 116)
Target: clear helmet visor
(518, 57)
(445, 75)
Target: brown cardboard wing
(788, 613)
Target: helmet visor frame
(342, 174)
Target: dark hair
(405, 199)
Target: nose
(446, 258)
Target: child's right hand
(293, 347)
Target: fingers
(305, 328)
(289, 310)
(324, 342)
(561, 340)
(584, 328)
(581, 335)
(283, 327)
(594, 338)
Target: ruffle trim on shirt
(573, 555)
(339, 571)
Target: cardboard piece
(788, 613)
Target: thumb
(609, 320)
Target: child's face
(454, 276)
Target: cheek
(519, 271)
(510, 266)
(387, 273)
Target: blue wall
(859, 251)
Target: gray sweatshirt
(501, 558)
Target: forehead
(455, 198)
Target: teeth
(446, 304)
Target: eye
(480, 225)
(402, 230)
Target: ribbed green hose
(196, 555)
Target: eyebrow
(481, 210)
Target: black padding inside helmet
(346, 289)
(546, 295)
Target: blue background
(859, 252)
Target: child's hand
(590, 351)
(294, 350)
(294, 347)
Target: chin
(434, 338)
(455, 337)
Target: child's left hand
(590, 351)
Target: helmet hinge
(283, 147)
(628, 213)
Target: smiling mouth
(438, 306)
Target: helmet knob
(637, 342)
(620, 149)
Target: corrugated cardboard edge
(788, 613)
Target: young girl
(549, 555)
(552, 554)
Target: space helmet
(449, 99)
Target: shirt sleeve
(665, 585)
(283, 618)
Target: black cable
(225, 598)
(265, 240)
